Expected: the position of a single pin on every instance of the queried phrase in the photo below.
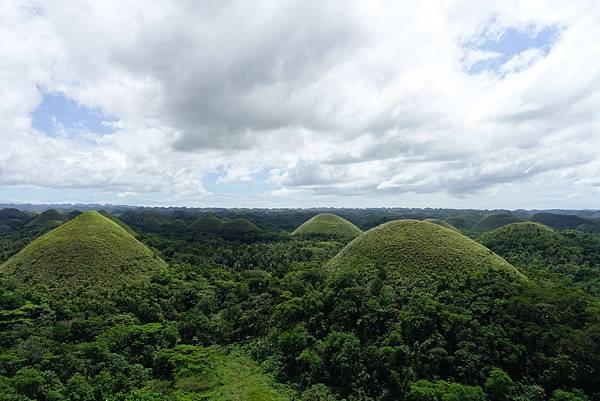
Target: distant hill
(498, 220)
(118, 221)
(88, 252)
(559, 220)
(442, 223)
(49, 217)
(525, 238)
(234, 229)
(419, 254)
(328, 224)
(13, 217)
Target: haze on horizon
(301, 103)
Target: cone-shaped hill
(497, 220)
(443, 224)
(208, 224)
(328, 224)
(89, 251)
(49, 217)
(417, 253)
(526, 240)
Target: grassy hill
(208, 224)
(88, 251)
(497, 220)
(442, 223)
(49, 217)
(118, 221)
(417, 253)
(328, 224)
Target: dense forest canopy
(235, 307)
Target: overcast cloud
(304, 103)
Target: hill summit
(89, 251)
(497, 220)
(418, 253)
(328, 224)
(49, 217)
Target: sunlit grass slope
(418, 253)
(498, 220)
(88, 251)
(442, 223)
(328, 224)
(211, 374)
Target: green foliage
(328, 224)
(424, 390)
(88, 252)
(498, 220)
(559, 220)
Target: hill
(234, 229)
(442, 223)
(49, 217)
(88, 251)
(328, 224)
(559, 220)
(419, 253)
(13, 217)
(118, 221)
(497, 220)
(207, 223)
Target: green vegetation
(559, 220)
(13, 218)
(328, 224)
(89, 251)
(569, 257)
(498, 220)
(50, 217)
(115, 220)
(235, 229)
(417, 252)
(442, 223)
(408, 311)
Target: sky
(460, 104)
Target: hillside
(328, 224)
(526, 237)
(497, 220)
(234, 229)
(417, 252)
(89, 250)
(49, 217)
(559, 220)
(13, 217)
(442, 223)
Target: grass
(498, 220)
(209, 373)
(328, 224)
(90, 251)
(49, 217)
(417, 253)
(443, 224)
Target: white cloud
(339, 99)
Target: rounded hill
(523, 239)
(328, 224)
(49, 217)
(497, 220)
(207, 223)
(418, 253)
(88, 252)
(443, 224)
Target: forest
(308, 305)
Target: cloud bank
(306, 103)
